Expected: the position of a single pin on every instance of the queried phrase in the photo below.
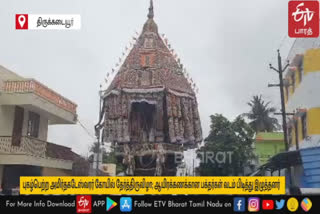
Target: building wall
(10, 159)
(304, 98)
(55, 113)
(305, 93)
(300, 45)
(1, 84)
(312, 127)
(108, 168)
(311, 59)
(55, 172)
(266, 149)
(306, 89)
(313, 121)
(300, 129)
(6, 122)
(311, 161)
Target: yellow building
(302, 97)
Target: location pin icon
(22, 20)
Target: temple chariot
(150, 110)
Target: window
(304, 126)
(17, 126)
(147, 60)
(142, 121)
(296, 131)
(148, 43)
(33, 125)
(300, 71)
(293, 81)
(287, 92)
(290, 136)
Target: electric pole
(280, 71)
(98, 131)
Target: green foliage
(107, 157)
(261, 121)
(235, 138)
(95, 147)
(110, 157)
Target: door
(141, 121)
(17, 126)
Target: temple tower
(150, 109)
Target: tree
(111, 157)
(94, 148)
(107, 157)
(261, 121)
(229, 145)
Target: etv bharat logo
(303, 19)
(83, 203)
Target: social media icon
(110, 204)
(253, 204)
(125, 204)
(292, 204)
(267, 205)
(21, 21)
(238, 204)
(306, 204)
(280, 204)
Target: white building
(27, 108)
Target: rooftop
(33, 95)
(151, 64)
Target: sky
(226, 47)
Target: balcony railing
(29, 146)
(33, 86)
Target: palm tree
(261, 121)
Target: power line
(282, 41)
(86, 130)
